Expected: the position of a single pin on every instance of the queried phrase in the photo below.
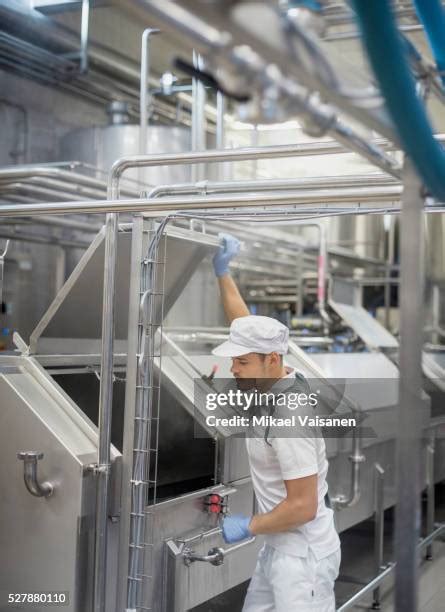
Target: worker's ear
(274, 359)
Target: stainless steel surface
(83, 290)
(144, 93)
(130, 409)
(215, 556)
(2, 268)
(30, 460)
(363, 234)
(199, 96)
(105, 413)
(379, 529)
(111, 76)
(311, 199)
(84, 36)
(205, 31)
(409, 410)
(220, 121)
(351, 603)
(101, 146)
(435, 249)
(145, 446)
(36, 413)
(367, 327)
(179, 520)
(54, 181)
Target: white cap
(254, 334)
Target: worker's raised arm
(233, 303)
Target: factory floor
(358, 565)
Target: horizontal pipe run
(174, 204)
(32, 172)
(352, 602)
(215, 155)
(326, 182)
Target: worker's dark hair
(263, 357)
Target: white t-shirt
(286, 459)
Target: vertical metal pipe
(105, 412)
(390, 261)
(198, 118)
(220, 110)
(84, 33)
(435, 337)
(430, 449)
(144, 93)
(130, 405)
(220, 130)
(300, 285)
(379, 525)
(408, 447)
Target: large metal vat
(363, 234)
(101, 146)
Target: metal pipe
(430, 453)
(326, 182)
(215, 337)
(34, 191)
(409, 411)
(219, 35)
(209, 40)
(340, 501)
(379, 527)
(322, 267)
(105, 412)
(119, 74)
(84, 34)
(144, 94)
(34, 170)
(175, 204)
(351, 603)
(220, 127)
(214, 155)
(199, 140)
(30, 460)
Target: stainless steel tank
(363, 234)
(101, 146)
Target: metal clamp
(30, 459)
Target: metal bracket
(61, 5)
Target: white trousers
(284, 583)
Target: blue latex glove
(236, 527)
(228, 250)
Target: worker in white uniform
(299, 561)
